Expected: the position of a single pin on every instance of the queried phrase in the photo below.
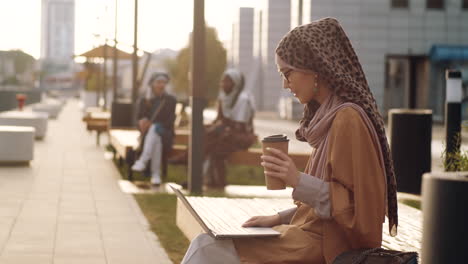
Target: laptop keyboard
(225, 216)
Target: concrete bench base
(16, 144)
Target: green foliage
(178, 69)
(457, 161)
(92, 83)
(215, 65)
(22, 61)
(245, 175)
(413, 203)
(10, 80)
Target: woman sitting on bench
(348, 185)
(156, 117)
(232, 130)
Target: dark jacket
(164, 120)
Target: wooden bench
(250, 157)
(409, 236)
(97, 120)
(96, 113)
(125, 142)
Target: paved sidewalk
(66, 207)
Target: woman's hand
(263, 221)
(281, 166)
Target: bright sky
(162, 23)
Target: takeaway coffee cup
(278, 142)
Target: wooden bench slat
(181, 137)
(127, 138)
(100, 126)
(251, 157)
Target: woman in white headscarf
(232, 130)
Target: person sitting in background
(156, 117)
(232, 130)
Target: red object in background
(21, 98)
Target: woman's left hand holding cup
(281, 166)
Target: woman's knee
(198, 243)
(205, 249)
(202, 240)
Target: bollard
(453, 114)
(445, 218)
(410, 144)
(21, 98)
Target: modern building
(256, 33)
(271, 23)
(58, 29)
(57, 37)
(241, 55)
(404, 46)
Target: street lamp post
(114, 80)
(104, 79)
(135, 66)
(198, 100)
(95, 61)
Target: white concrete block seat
(50, 106)
(58, 101)
(16, 144)
(52, 110)
(38, 120)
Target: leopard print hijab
(323, 47)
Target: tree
(214, 67)
(22, 62)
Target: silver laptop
(222, 218)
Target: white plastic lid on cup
(454, 86)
